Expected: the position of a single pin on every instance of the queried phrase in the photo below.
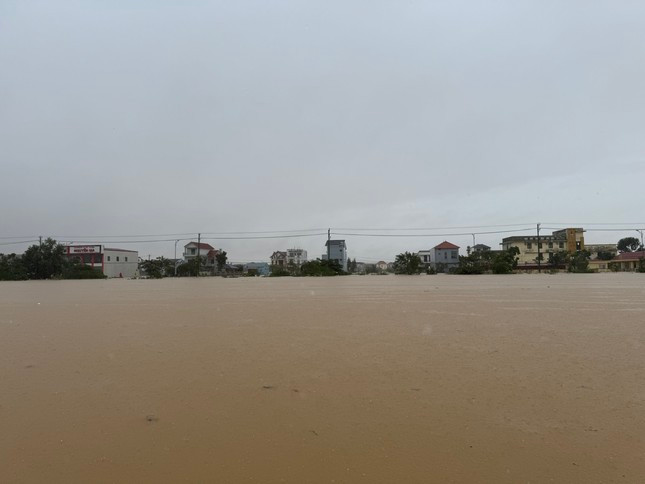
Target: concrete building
(569, 240)
(337, 251)
(112, 262)
(296, 257)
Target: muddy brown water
(378, 379)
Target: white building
(296, 257)
(112, 262)
(337, 251)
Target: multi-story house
(296, 257)
(441, 257)
(279, 259)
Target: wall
(112, 268)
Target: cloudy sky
(123, 118)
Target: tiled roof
(446, 245)
(630, 255)
(201, 245)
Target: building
(480, 248)
(279, 259)
(599, 265)
(336, 251)
(207, 253)
(444, 256)
(296, 257)
(112, 262)
(381, 265)
(628, 261)
(569, 240)
(256, 269)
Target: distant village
(562, 250)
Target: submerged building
(112, 262)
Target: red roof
(446, 245)
(201, 245)
(630, 255)
(212, 253)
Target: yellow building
(569, 240)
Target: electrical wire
(433, 235)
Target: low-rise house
(257, 268)
(599, 265)
(628, 261)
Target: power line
(146, 241)
(19, 242)
(434, 228)
(434, 235)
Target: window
(550, 245)
(117, 258)
(454, 254)
(109, 258)
(539, 245)
(445, 255)
(561, 245)
(192, 251)
(126, 259)
(529, 245)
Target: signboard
(84, 249)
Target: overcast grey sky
(154, 117)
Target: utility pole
(539, 257)
(473, 239)
(199, 243)
(175, 260)
(640, 231)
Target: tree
(321, 268)
(605, 255)
(12, 268)
(629, 244)
(191, 267)
(503, 262)
(407, 263)
(157, 268)
(578, 262)
(221, 259)
(44, 261)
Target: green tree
(503, 262)
(221, 259)
(12, 268)
(629, 244)
(578, 262)
(407, 263)
(44, 261)
(157, 268)
(606, 255)
(321, 268)
(190, 268)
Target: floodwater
(376, 379)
